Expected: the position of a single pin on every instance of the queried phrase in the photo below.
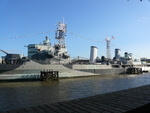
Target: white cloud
(142, 19)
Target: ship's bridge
(35, 48)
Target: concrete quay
(134, 100)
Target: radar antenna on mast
(61, 33)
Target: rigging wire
(101, 42)
(27, 35)
(67, 32)
(85, 38)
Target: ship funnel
(117, 53)
(93, 54)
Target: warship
(44, 57)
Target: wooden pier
(134, 100)
(53, 75)
(133, 70)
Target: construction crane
(108, 51)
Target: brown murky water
(15, 95)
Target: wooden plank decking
(130, 100)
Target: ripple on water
(14, 95)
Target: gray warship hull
(31, 70)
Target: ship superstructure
(35, 48)
(46, 53)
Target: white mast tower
(61, 33)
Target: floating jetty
(134, 70)
(135, 100)
(53, 75)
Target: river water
(16, 95)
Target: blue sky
(127, 21)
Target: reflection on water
(14, 95)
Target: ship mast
(61, 33)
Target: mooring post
(57, 75)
